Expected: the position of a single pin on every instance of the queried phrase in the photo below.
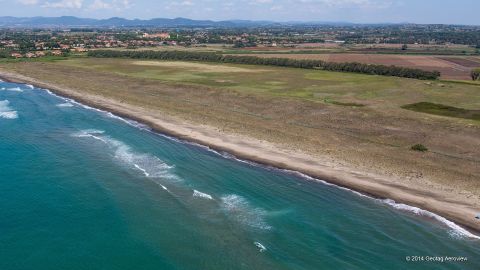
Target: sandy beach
(455, 208)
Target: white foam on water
(30, 86)
(9, 115)
(241, 210)
(6, 111)
(202, 195)
(261, 247)
(150, 165)
(90, 133)
(15, 89)
(142, 170)
(65, 105)
(128, 121)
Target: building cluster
(33, 43)
(30, 44)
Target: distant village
(34, 43)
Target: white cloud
(99, 4)
(348, 3)
(186, 3)
(70, 4)
(28, 2)
(112, 5)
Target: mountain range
(71, 21)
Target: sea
(81, 188)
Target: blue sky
(361, 11)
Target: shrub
(476, 74)
(419, 148)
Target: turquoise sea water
(82, 189)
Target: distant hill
(71, 21)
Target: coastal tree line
(283, 62)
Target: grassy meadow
(313, 85)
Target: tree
(476, 74)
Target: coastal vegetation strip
(354, 67)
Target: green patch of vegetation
(443, 110)
(347, 104)
(475, 74)
(41, 59)
(419, 148)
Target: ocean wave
(6, 111)
(90, 133)
(65, 105)
(199, 194)
(30, 86)
(260, 247)
(15, 89)
(241, 210)
(11, 89)
(149, 165)
(455, 230)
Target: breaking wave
(65, 105)
(6, 111)
(202, 195)
(240, 209)
(150, 166)
(455, 230)
(15, 89)
(260, 247)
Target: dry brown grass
(196, 66)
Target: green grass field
(342, 89)
(439, 109)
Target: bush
(419, 148)
(476, 74)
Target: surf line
(398, 206)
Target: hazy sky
(362, 11)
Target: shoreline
(264, 153)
